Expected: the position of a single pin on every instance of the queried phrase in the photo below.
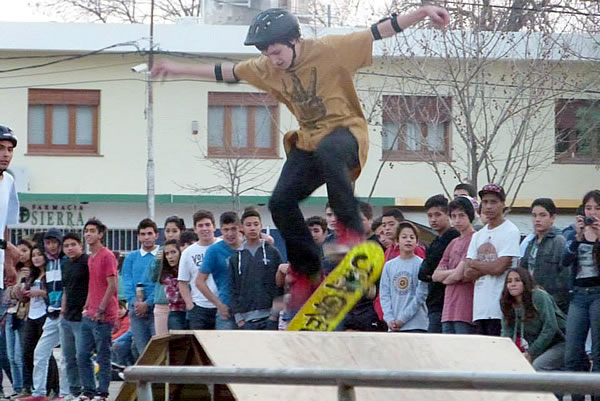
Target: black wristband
(375, 32)
(395, 25)
(218, 72)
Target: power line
(64, 71)
(70, 58)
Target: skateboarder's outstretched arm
(390, 26)
(214, 72)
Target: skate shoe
(301, 287)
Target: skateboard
(341, 289)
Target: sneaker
(82, 397)
(100, 398)
(302, 287)
(21, 395)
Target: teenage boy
(390, 220)
(50, 336)
(314, 79)
(436, 208)
(99, 314)
(216, 263)
(252, 272)
(318, 230)
(544, 252)
(366, 216)
(9, 201)
(200, 311)
(457, 314)
(464, 189)
(493, 250)
(138, 288)
(75, 278)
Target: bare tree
(129, 11)
(237, 175)
(502, 84)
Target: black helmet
(275, 25)
(6, 134)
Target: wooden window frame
(49, 98)
(565, 121)
(400, 115)
(251, 101)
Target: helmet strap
(293, 47)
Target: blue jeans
(584, 311)
(14, 350)
(142, 328)
(225, 324)
(262, 324)
(123, 350)
(94, 335)
(457, 327)
(70, 336)
(178, 321)
(435, 322)
(202, 318)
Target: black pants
(489, 327)
(32, 331)
(304, 172)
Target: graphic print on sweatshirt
(402, 282)
(310, 108)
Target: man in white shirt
(9, 201)
(201, 312)
(493, 250)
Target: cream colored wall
(121, 166)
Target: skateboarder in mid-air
(314, 79)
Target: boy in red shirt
(99, 313)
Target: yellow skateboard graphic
(341, 289)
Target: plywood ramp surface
(345, 350)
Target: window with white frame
(242, 125)
(416, 127)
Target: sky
(17, 10)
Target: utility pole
(150, 179)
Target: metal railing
(346, 379)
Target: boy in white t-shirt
(200, 311)
(9, 202)
(493, 250)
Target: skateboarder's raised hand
(388, 27)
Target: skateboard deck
(341, 289)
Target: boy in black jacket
(252, 272)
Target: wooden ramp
(343, 350)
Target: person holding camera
(582, 254)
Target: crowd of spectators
(476, 277)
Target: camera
(588, 221)
(140, 67)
